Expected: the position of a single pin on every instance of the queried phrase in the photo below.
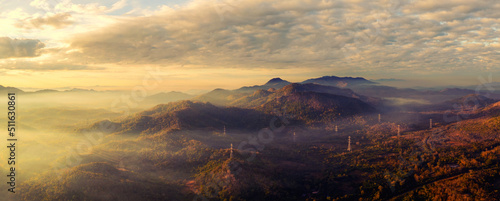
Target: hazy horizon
(390, 81)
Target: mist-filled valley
(327, 138)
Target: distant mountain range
(13, 89)
(188, 115)
(10, 89)
(303, 102)
(261, 97)
(339, 81)
(257, 94)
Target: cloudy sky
(203, 44)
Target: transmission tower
(231, 153)
(349, 144)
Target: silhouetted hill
(339, 81)
(276, 83)
(188, 115)
(276, 80)
(10, 89)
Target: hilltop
(188, 115)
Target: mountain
(187, 115)
(313, 106)
(10, 89)
(339, 81)
(276, 80)
(260, 97)
(468, 103)
(307, 102)
(492, 110)
(220, 96)
(225, 97)
(310, 87)
(256, 95)
(276, 83)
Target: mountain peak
(275, 80)
(276, 83)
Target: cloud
(363, 35)
(27, 65)
(204, 35)
(67, 6)
(59, 20)
(118, 5)
(41, 4)
(15, 48)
